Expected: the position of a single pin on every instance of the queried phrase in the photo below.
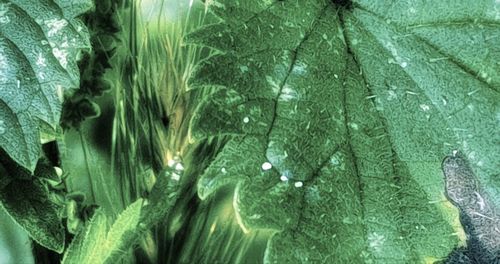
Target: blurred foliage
(14, 242)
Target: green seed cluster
(104, 27)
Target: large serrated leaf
(40, 43)
(341, 117)
(105, 242)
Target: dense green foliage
(40, 42)
(103, 242)
(340, 131)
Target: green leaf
(40, 42)
(163, 197)
(28, 203)
(101, 242)
(340, 117)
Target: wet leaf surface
(340, 117)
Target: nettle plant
(337, 131)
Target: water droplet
(60, 92)
(472, 92)
(58, 171)
(376, 241)
(246, 120)
(4, 8)
(437, 59)
(288, 93)
(244, 68)
(55, 25)
(267, 166)
(411, 92)
(445, 102)
(347, 221)
(179, 166)
(425, 107)
(392, 95)
(223, 170)
(176, 177)
(255, 216)
(300, 68)
(2, 127)
(41, 75)
(61, 55)
(4, 19)
(299, 184)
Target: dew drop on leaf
(179, 167)
(4, 8)
(266, 166)
(176, 177)
(2, 127)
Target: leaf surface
(99, 243)
(105, 242)
(340, 119)
(27, 201)
(40, 43)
